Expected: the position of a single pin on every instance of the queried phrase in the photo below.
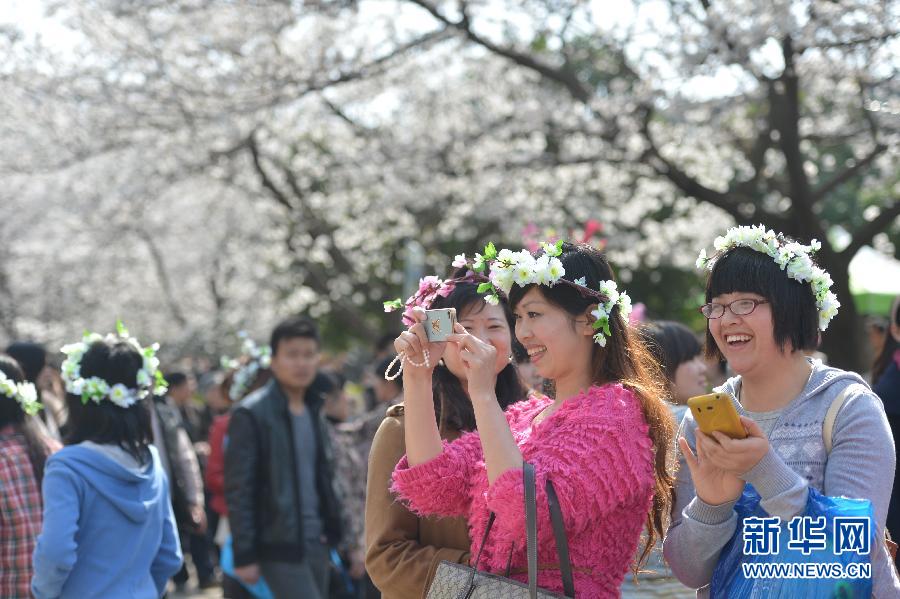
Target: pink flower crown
(430, 288)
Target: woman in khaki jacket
(403, 550)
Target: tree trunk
(844, 339)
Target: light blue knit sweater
(861, 465)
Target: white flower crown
(149, 378)
(24, 393)
(792, 257)
(253, 359)
(508, 268)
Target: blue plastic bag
(260, 590)
(730, 578)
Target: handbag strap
(487, 529)
(562, 543)
(530, 527)
(559, 532)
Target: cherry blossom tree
(785, 116)
(211, 165)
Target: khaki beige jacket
(402, 550)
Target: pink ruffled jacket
(596, 450)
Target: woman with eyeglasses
(766, 303)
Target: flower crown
(430, 288)
(149, 378)
(508, 268)
(792, 257)
(24, 393)
(253, 359)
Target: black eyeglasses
(741, 307)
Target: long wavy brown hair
(626, 360)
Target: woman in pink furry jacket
(603, 440)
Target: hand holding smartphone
(716, 412)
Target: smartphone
(715, 412)
(439, 323)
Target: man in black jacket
(282, 507)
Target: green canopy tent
(874, 281)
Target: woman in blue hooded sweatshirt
(109, 530)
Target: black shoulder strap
(562, 543)
(530, 528)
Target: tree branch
(785, 117)
(756, 156)
(884, 37)
(159, 264)
(864, 234)
(277, 194)
(681, 179)
(848, 174)
(299, 211)
(561, 76)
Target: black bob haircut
(293, 328)
(106, 423)
(795, 317)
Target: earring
(510, 359)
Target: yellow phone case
(715, 412)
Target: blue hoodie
(109, 530)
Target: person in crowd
(195, 421)
(243, 377)
(108, 526)
(348, 576)
(179, 462)
(878, 332)
(886, 368)
(403, 550)
(886, 379)
(352, 442)
(603, 441)
(282, 508)
(717, 371)
(384, 346)
(210, 388)
(527, 371)
(196, 418)
(766, 303)
(387, 393)
(680, 355)
(32, 357)
(23, 452)
(337, 406)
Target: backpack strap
(830, 417)
(827, 432)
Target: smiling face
(748, 341)
(488, 323)
(790, 315)
(554, 339)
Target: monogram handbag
(456, 581)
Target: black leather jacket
(261, 487)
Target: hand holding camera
(422, 345)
